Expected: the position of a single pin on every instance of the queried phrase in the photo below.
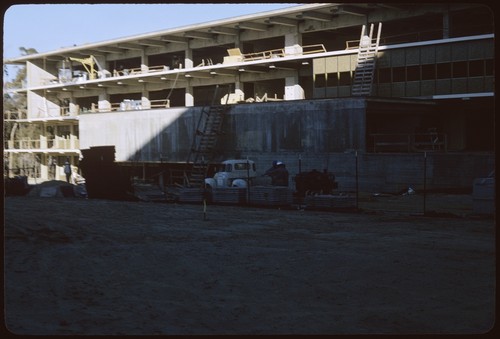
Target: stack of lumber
(270, 196)
(229, 195)
(191, 194)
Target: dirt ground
(88, 266)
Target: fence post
(248, 182)
(356, 156)
(425, 181)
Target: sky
(47, 27)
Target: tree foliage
(15, 107)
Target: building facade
(288, 76)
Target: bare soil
(88, 266)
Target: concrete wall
(322, 133)
(302, 126)
(299, 126)
(141, 135)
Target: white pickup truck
(232, 173)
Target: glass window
(320, 81)
(476, 68)
(345, 78)
(428, 72)
(443, 70)
(413, 73)
(384, 75)
(240, 166)
(489, 67)
(332, 80)
(460, 69)
(398, 74)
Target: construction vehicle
(233, 173)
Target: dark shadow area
(104, 178)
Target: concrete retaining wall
(323, 133)
(302, 126)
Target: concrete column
(238, 86)
(293, 43)
(188, 58)
(145, 103)
(73, 108)
(238, 90)
(446, 24)
(189, 96)
(44, 168)
(101, 66)
(293, 91)
(293, 46)
(237, 42)
(72, 137)
(103, 104)
(144, 61)
(43, 142)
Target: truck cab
(232, 173)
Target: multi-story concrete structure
(287, 76)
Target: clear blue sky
(47, 27)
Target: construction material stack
(271, 196)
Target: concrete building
(287, 78)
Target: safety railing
(22, 144)
(273, 53)
(401, 38)
(14, 115)
(58, 142)
(311, 49)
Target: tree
(14, 107)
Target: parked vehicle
(233, 173)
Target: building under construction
(311, 85)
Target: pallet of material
(192, 195)
(229, 195)
(149, 192)
(270, 196)
(329, 202)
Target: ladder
(365, 67)
(204, 140)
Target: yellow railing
(310, 49)
(273, 53)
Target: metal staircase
(202, 150)
(365, 67)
